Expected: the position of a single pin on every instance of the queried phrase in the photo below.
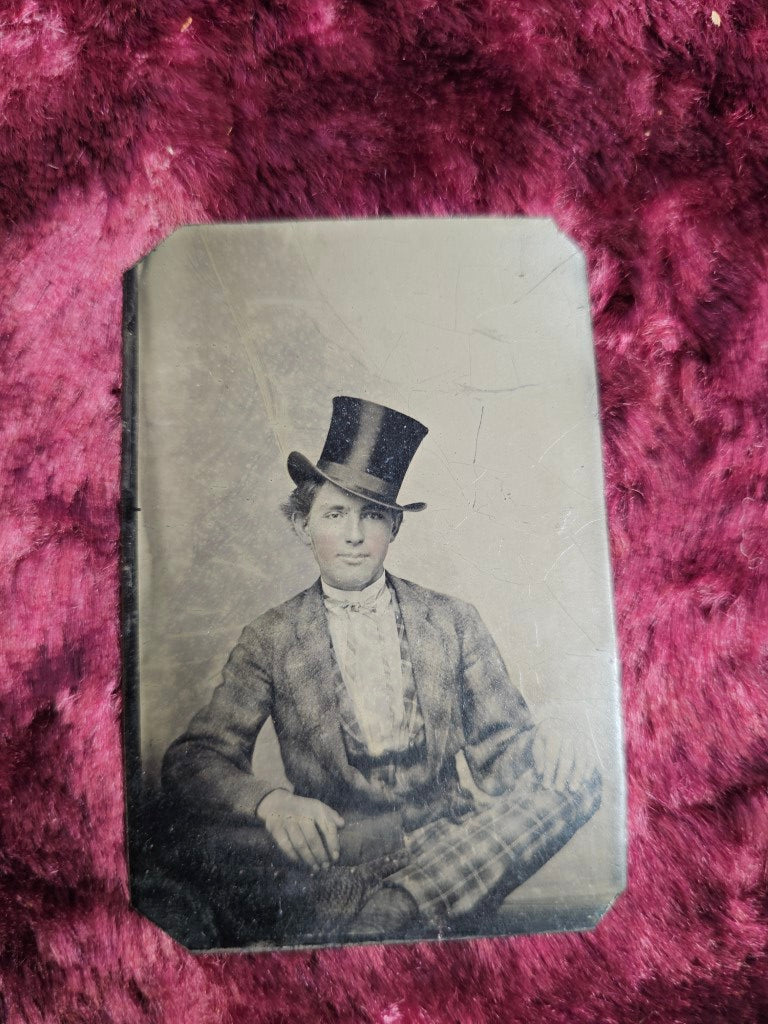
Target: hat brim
(301, 469)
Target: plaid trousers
(456, 868)
(451, 869)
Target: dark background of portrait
(642, 129)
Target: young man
(374, 685)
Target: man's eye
(371, 514)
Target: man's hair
(300, 502)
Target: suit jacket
(284, 666)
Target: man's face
(348, 536)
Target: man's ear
(299, 523)
(396, 521)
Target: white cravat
(365, 638)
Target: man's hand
(304, 829)
(562, 760)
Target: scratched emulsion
(479, 329)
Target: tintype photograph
(371, 681)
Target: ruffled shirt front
(366, 641)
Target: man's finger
(280, 836)
(552, 755)
(537, 752)
(314, 842)
(326, 826)
(584, 769)
(320, 809)
(575, 778)
(303, 852)
(565, 767)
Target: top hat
(367, 452)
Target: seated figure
(375, 685)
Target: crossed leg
(457, 869)
(446, 872)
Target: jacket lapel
(317, 688)
(430, 670)
(317, 705)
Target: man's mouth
(353, 559)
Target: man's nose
(354, 533)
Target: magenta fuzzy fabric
(642, 128)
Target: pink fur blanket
(643, 129)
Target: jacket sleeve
(209, 766)
(498, 728)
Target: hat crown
(372, 439)
(367, 451)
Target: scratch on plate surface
(566, 612)
(321, 291)
(496, 391)
(545, 278)
(489, 572)
(477, 435)
(495, 336)
(252, 354)
(561, 555)
(557, 441)
(450, 472)
(594, 743)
